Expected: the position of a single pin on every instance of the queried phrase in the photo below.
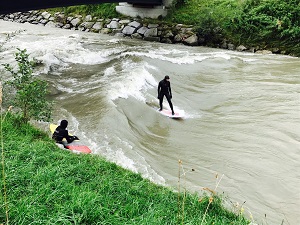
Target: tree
(30, 92)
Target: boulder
(136, 36)
(142, 30)
(178, 37)
(44, 21)
(129, 30)
(107, 21)
(39, 18)
(75, 22)
(191, 40)
(50, 24)
(135, 24)
(152, 32)
(178, 26)
(70, 18)
(252, 49)
(224, 44)
(80, 28)
(87, 25)
(31, 19)
(60, 18)
(88, 18)
(167, 34)
(59, 25)
(97, 26)
(67, 26)
(114, 25)
(105, 31)
(116, 31)
(276, 50)
(124, 22)
(231, 46)
(25, 17)
(46, 15)
(241, 48)
(34, 12)
(166, 40)
(152, 25)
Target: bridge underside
(11, 6)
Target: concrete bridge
(132, 8)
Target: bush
(264, 23)
(29, 95)
(269, 22)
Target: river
(242, 112)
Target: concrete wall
(147, 12)
(167, 3)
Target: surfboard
(168, 113)
(76, 146)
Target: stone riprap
(164, 33)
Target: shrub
(29, 96)
(269, 21)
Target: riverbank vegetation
(104, 10)
(268, 24)
(47, 185)
(261, 24)
(25, 91)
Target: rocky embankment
(164, 33)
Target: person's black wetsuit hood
(63, 124)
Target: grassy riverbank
(262, 24)
(47, 185)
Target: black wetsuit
(61, 132)
(164, 89)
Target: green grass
(194, 12)
(102, 11)
(47, 185)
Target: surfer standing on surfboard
(164, 89)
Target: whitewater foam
(136, 79)
(136, 163)
(60, 51)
